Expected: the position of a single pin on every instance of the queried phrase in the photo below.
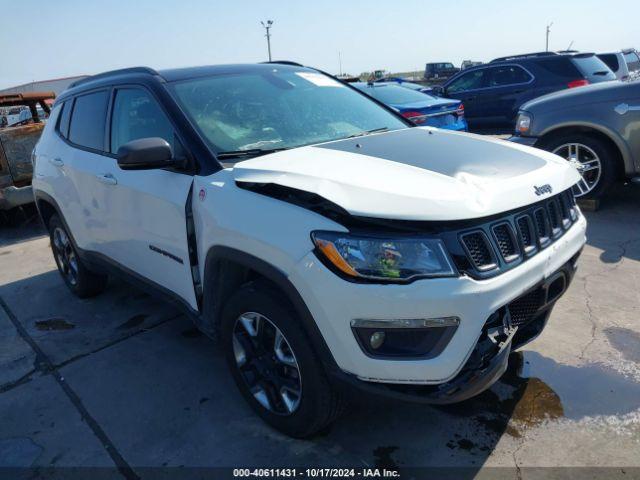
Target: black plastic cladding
(531, 228)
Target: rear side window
(559, 67)
(88, 120)
(507, 75)
(632, 61)
(65, 116)
(594, 69)
(137, 115)
(611, 60)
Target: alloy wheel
(267, 363)
(586, 161)
(65, 256)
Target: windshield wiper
(252, 152)
(368, 132)
(601, 72)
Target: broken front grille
(500, 244)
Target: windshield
(594, 69)
(277, 109)
(395, 95)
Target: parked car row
(492, 93)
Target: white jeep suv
(326, 243)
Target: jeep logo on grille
(542, 189)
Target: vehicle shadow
(134, 381)
(615, 226)
(20, 225)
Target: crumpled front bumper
(486, 364)
(465, 385)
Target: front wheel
(593, 159)
(273, 364)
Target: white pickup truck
(328, 244)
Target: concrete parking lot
(123, 380)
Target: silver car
(625, 64)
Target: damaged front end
(505, 330)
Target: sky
(49, 39)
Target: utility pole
(548, 31)
(267, 27)
(340, 62)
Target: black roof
(173, 74)
(526, 56)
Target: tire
(265, 311)
(594, 184)
(80, 280)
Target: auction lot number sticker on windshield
(319, 79)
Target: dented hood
(415, 174)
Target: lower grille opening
(524, 308)
(556, 288)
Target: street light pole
(267, 27)
(548, 31)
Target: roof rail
(285, 62)
(524, 55)
(110, 73)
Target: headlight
(523, 124)
(387, 259)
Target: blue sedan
(421, 108)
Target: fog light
(376, 340)
(406, 338)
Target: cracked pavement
(126, 382)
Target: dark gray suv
(596, 128)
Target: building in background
(56, 85)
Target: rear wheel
(273, 363)
(593, 159)
(80, 280)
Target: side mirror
(145, 154)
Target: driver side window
(468, 81)
(137, 115)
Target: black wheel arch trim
(214, 302)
